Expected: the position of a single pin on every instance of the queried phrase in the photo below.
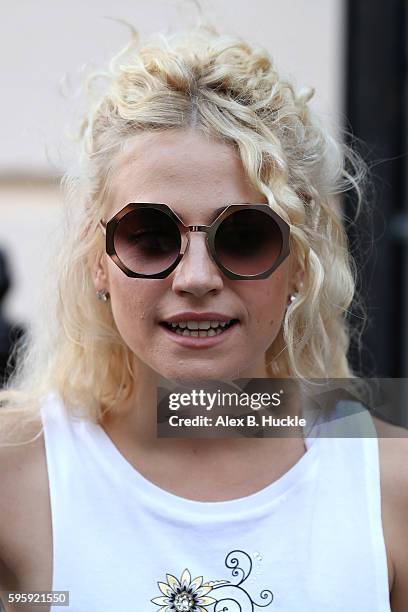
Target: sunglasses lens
(248, 242)
(147, 241)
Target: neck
(134, 423)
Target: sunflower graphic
(184, 595)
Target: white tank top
(312, 541)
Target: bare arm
(21, 488)
(394, 496)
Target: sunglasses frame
(109, 229)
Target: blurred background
(352, 52)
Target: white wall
(28, 217)
(44, 40)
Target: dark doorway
(376, 109)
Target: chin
(194, 374)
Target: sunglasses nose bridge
(200, 260)
(196, 271)
(195, 229)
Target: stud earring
(291, 299)
(102, 295)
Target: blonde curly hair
(230, 90)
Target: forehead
(185, 169)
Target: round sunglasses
(246, 241)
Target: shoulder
(23, 483)
(22, 451)
(393, 454)
(393, 448)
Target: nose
(197, 273)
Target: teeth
(202, 333)
(199, 329)
(197, 325)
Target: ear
(296, 276)
(299, 276)
(99, 270)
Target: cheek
(131, 303)
(268, 305)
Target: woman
(196, 130)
